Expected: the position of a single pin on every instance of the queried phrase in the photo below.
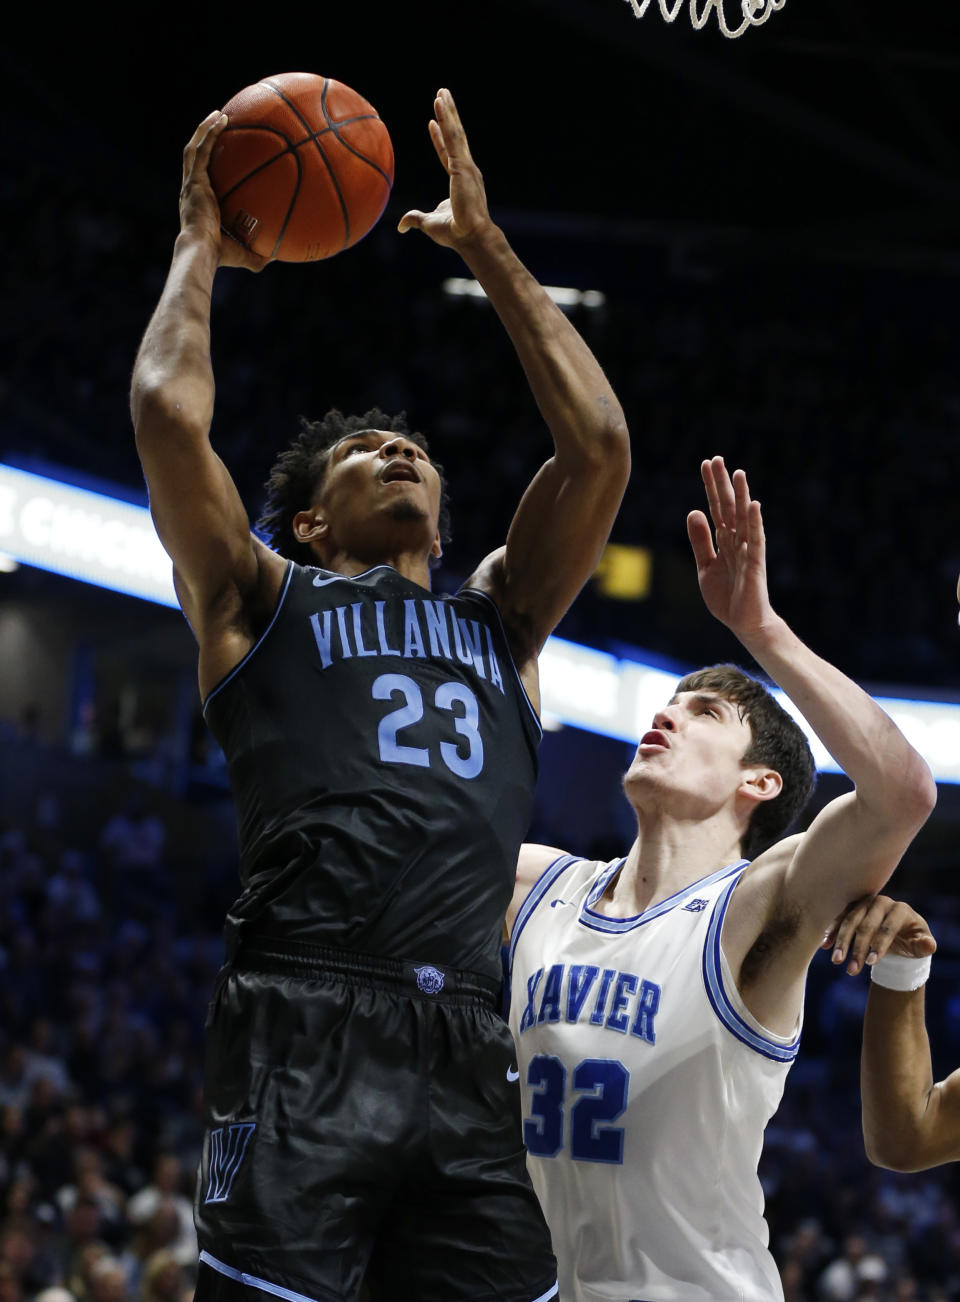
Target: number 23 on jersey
(463, 757)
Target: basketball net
(754, 13)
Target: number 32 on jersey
(602, 1086)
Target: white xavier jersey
(646, 1089)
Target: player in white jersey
(657, 999)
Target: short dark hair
(777, 740)
(300, 468)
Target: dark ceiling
(829, 129)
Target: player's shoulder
(775, 859)
(533, 866)
(488, 577)
(534, 860)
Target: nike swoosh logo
(512, 1074)
(322, 583)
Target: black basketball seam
(256, 126)
(347, 122)
(346, 144)
(293, 200)
(333, 176)
(341, 122)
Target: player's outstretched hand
(464, 216)
(731, 558)
(199, 209)
(874, 926)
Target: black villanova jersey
(383, 755)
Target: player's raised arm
(854, 844)
(910, 1121)
(195, 505)
(563, 521)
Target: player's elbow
(614, 437)
(909, 796)
(904, 1133)
(901, 1153)
(917, 792)
(885, 1151)
(606, 454)
(161, 409)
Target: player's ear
(309, 526)
(759, 784)
(436, 551)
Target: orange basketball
(303, 168)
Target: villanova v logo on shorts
(228, 1144)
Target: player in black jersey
(363, 1114)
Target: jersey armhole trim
(506, 642)
(535, 895)
(257, 645)
(784, 1051)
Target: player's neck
(412, 565)
(668, 855)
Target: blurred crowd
(103, 986)
(105, 974)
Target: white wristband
(900, 972)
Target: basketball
(303, 168)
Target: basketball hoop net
(754, 13)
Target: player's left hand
(733, 573)
(464, 216)
(874, 926)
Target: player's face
(379, 490)
(693, 754)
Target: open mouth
(655, 738)
(400, 471)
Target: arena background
(773, 226)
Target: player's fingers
(895, 932)
(455, 138)
(210, 137)
(756, 539)
(436, 135)
(701, 539)
(829, 936)
(411, 221)
(846, 926)
(713, 496)
(923, 944)
(741, 503)
(910, 934)
(755, 524)
(873, 936)
(193, 144)
(725, 492)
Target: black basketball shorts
(363, 1132)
